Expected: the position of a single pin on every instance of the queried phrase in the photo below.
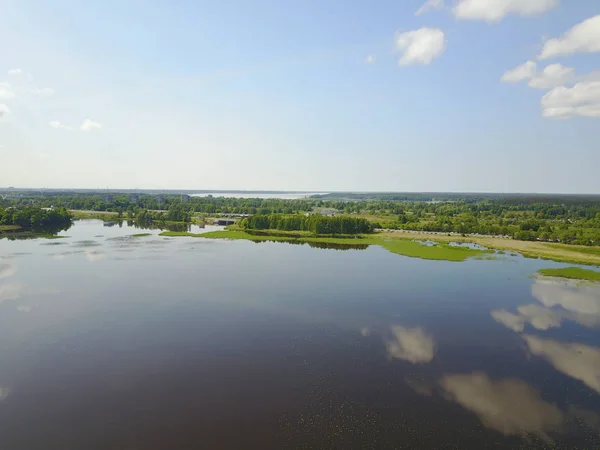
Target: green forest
(35, 218)
(314, 223)
(570, 219)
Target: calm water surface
(109, 341)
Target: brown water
(113, 342)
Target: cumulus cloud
(511, 321)
(579, 303)
(7, 269)
(6, 91)
(10, 292)
(552, 76)
(42, 91)
(4, 110)
(93, 256)
(562, 102)
(539, 317)
(496, 10)
(15, 72)
(430, 5)
(582, 38)
(420, 46)
(523, 72)
(57, 124)
(370, 59)
(509, 406)
(89, 125)
(578, 361)
(410, 344)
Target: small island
(572, 273)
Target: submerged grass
(573, 273)
(9, 228)
(141, 234)
(439, 251)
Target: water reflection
(7, 269)
(580, 302)
(561, 300)
(509, 406)
(578, 361)
(410, 344)
(539, 317)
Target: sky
(454, 95)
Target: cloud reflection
(410, 344)
(4, 393)
(580, 303)
(509, 406)
(7, 269)
(561, 300)
(10, 292)
(578, 361)
(93, 256)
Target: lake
(109, 341)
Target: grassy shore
(9, 228)
(439, 251)
(573, 273)
(402, 243)
(573, 254)
(141, 234)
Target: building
(185, 198)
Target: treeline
(314, 223)
(175, 213)
(35, 218)
(572, 219)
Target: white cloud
(15, 72)
(57, 124)
(578, 361)
(93, 256)
(509, 406)
(10, 292)
(562, 102)
(523, 72)
(370, 59)
(579, 303)
(512, 321)
(24, 309)
(430, 5)
(552, 76)
(42, 91)
(539, 317)
(410, 344)
(420, 46)
(4, 110)
(496, 10)
(582, 38)
(7, 270)
(89, 125)
(6, 91)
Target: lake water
(109, 341)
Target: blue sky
(305, 95)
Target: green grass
(141, 234)
(440, 251)
(573, 273)
(9, 228)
